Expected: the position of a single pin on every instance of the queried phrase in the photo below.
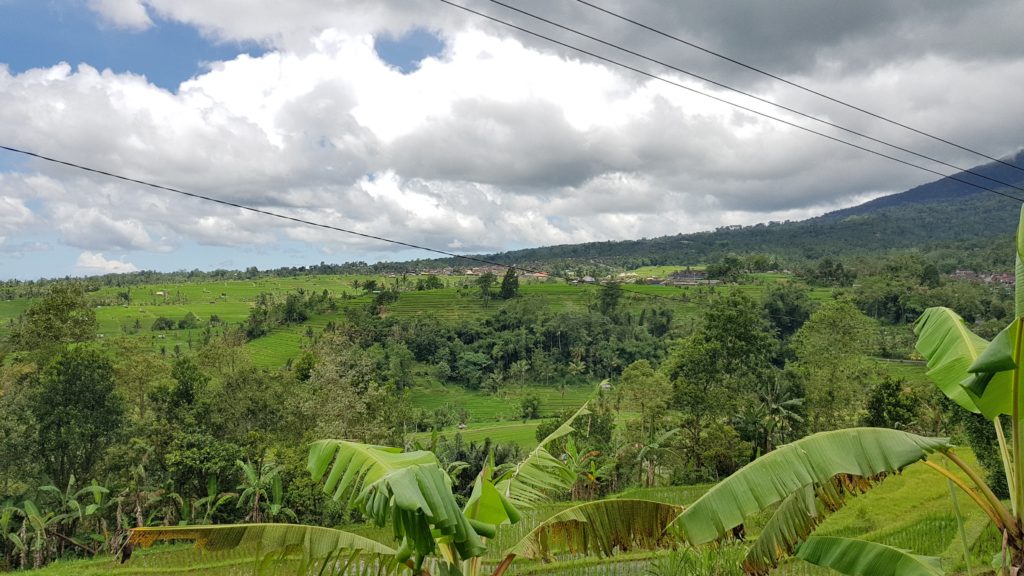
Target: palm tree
(773, 419)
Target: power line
(264, 212)
(250, 208)
(723, 100)
(306, 222)
(797, 85)
(750, 95)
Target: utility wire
(725, 101)
(252, 209)
(752, 96)
(796, 84)
(309, 222)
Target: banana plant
(255, 489)
(408, 490)
(812, 477)
(214, 499)
(41, 525)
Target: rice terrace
(511, 288)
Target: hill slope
(926, 217)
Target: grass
(485, 407)
(661, 271)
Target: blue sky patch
(407, 52)
(42, 33)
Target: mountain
(947, 189)
(944, 215)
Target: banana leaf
(862, 558)
(961, 364)
(260, 549)
(857, 455)
(603, 527)
(419, 503)
(540, 475)
(409, 489)
(792, 522)
(353, 466)
(796, 518)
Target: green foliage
(831, 348)
(163, 323)
(609, 295)
(707, 561)
(63, 316)
(862, 453)
(431, 282)
(509, 285)
(891, 404)
(861, 558)
(529, 407)
(601, 528)
(787, 306)
(264, 548)
(19, 463)
(647, 392)
(409, 489)
(829, 272)
(77, 412)
(485, 283)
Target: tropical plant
(409, 490)
(801, 482)
(258, 483)
(812, 476)
(584, 464)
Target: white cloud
(496, 143)
(95, 263)
(14, 215)
(127, 14)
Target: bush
(529, 407)
(163, 323)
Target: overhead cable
(724, 100)
(798, 85)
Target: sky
(417, 121)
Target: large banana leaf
(959, 365)
(353, 466)
(862, 558)
(488, 505)
(418, 501)
(856, 453)
(409, 489)
(262, 549)
(540, 475)
(1018, 269)
(795, 519)
(792, 522)
(602, 527)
